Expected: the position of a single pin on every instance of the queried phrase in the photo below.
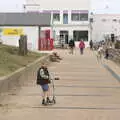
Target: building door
(64, 37)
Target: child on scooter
(43, 79)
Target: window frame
(54, 18)
(75, 14)
(83, 17)
(79, 17)
(65, 14)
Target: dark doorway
(78, 35)
(64, 37)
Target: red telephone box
(45, 40)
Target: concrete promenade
(86, 91)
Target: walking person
(99, 54)
(91, 45)
(43, 79)
(106, 53)
(81, 46)
(71, 46)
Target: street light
(91, 22)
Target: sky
(11, 5)
(105, 6)
(98, 6)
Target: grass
(10, 60)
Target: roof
(26, 19)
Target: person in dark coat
(91, 45)
(106, 53)
(43, 79)
(71, 46)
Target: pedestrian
(99, 54)
(91, 45)
(43, 79)
(71, 46)
(106, 53)
(81, 46)
(62, 43)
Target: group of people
(99, 51)
(95, 45)
(72, 46)
(43, 76)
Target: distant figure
(71, 46)
(81, 46)
(106, 53)
(99, 54)
(91, 45)
(62, 44)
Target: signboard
(12, 31)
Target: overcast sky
(106, 6)
(11, 5)
(99, 6)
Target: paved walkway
(85, 91)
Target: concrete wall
(31, 32)
(12, 82)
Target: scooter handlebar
(56, 78)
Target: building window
(79, 16)
(75, 17)
(80, 35)
(65, 18)
(56, 17)
(84, 17)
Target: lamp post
(91, 25)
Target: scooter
(53, 101)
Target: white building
(105, 25)
(13, 25)
(70, 18)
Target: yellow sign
(12, 31)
